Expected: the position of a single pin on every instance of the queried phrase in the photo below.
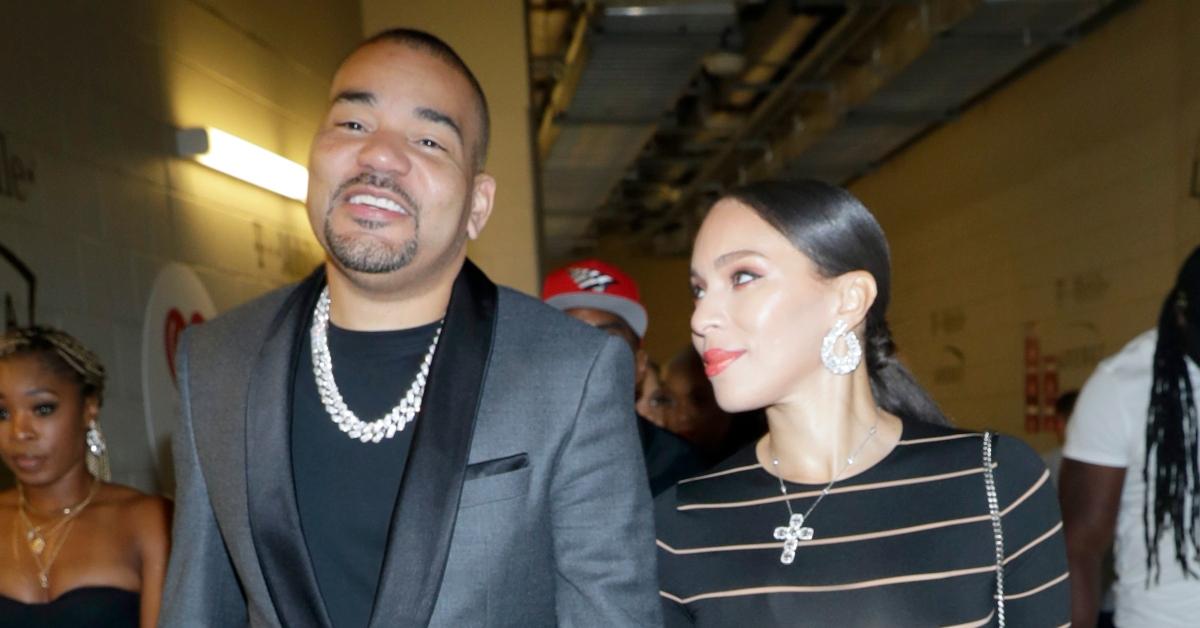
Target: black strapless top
(93, 607)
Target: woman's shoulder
(143, 513)
(918, 431)
(1015, 461)
(128, 496)
(924, 440)
(953, 442)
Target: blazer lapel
(423, 521)
(274, 515)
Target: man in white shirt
(1139, 405)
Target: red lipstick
(717, 360)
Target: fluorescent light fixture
(238, 158)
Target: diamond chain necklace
(795, 531)
(395, 420)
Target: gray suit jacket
(523, 504)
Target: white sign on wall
(177, 299)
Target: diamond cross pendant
(791, 535)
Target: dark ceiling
(648, 109)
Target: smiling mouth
(717, 360)
(378, 202)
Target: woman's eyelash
(742, 276)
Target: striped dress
(907, 542)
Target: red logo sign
(172, 328)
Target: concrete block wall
(93, 92)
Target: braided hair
(839, 234)
(62, 352)
(1170, 472)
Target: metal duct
(992, 43)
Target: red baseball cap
(596, 285)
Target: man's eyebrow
(355, 96)
(433, 115)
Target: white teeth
(377, 201)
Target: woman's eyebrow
(726, 259)
(733, 256)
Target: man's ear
(483, 194)
(856, 292)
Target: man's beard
(367, 254)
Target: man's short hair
(434, 46)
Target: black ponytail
(837, 232)
(893, 385)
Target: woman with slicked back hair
(861, 506)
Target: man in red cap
(604, 297)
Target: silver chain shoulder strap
(989, 482)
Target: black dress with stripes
(907, 542)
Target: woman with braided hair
(1130, 471)
(860, 506)
(75, 550)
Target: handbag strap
(989, 483)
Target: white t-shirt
(1108, 427)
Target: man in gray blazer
(506, 486)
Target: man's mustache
(377, 180)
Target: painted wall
(490, 36)
(1060, 208)
(92, 93)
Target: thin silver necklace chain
(795, 531)
(389, 424)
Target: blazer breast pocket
(494, 480)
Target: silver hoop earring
(97, 452)
(841, 364)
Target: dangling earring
(841, 364)
(97, 453)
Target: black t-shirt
(346, 489)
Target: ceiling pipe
(574, 63)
